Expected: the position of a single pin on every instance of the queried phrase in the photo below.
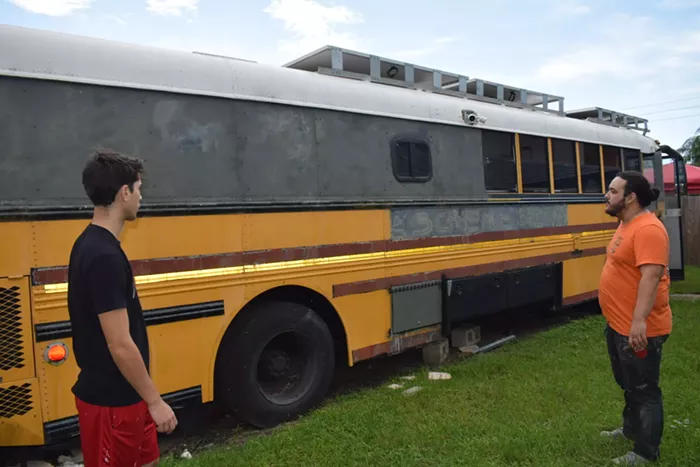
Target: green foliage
(691, 149)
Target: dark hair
(638, 184)
(106, 172)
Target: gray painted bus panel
(412, 223)
(203, 149)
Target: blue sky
(638, 56)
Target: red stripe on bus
(59, 274)
(354, 288)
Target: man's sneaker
(617, 433)
(630, 459)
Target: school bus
(295, 218)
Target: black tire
(276, 363)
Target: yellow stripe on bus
(421, 255)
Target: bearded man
(634, 298)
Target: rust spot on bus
(398, 344)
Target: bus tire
(276, 364)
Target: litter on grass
(411, 391)
(435, 375)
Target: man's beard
(615, 209)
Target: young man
(119, 407)
(634, 297)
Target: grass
(538, 402)
(691, 284)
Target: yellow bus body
(346, 256)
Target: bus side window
(500, 172)
(411, 159)
(590, 168)
(534, 159)
(611, 163)
(564, 162)
(632, 159)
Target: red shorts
(117, 436)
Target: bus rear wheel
(275, 364)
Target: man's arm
(115, 326)
(108, 284)
(651, 252)
(646, 296)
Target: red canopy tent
(692, 172)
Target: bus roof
(49, 55)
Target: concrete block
(465, 337)
(469, 350)
(436, 375)
(435, 353)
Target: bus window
(632, 159)
(411, 160)
(611, 163)
(648, 160)
(590, 168)
(564, 161)
(535, 164)
(499, 161)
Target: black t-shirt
(100, 279)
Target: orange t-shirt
(643, 240)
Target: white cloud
(678, 4)
(686, 91)
(614, 55)
(620, 69)
(593, 60)
(689, 43)
(573, 9)
(446, 40)
(172, 7)
(117, 19)
(432, 47)
(52, 7)
(313, 25)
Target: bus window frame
(578, 149)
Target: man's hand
(638, 334)
(163, 416)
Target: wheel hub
(285, 368)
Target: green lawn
(539, 402)
(691, 284)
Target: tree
(691, 149)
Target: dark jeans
(643, 415)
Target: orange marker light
(56, 353)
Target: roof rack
(337, 61)
(610, 117)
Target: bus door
(669, 202)
(674, 211)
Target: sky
(641, 57)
